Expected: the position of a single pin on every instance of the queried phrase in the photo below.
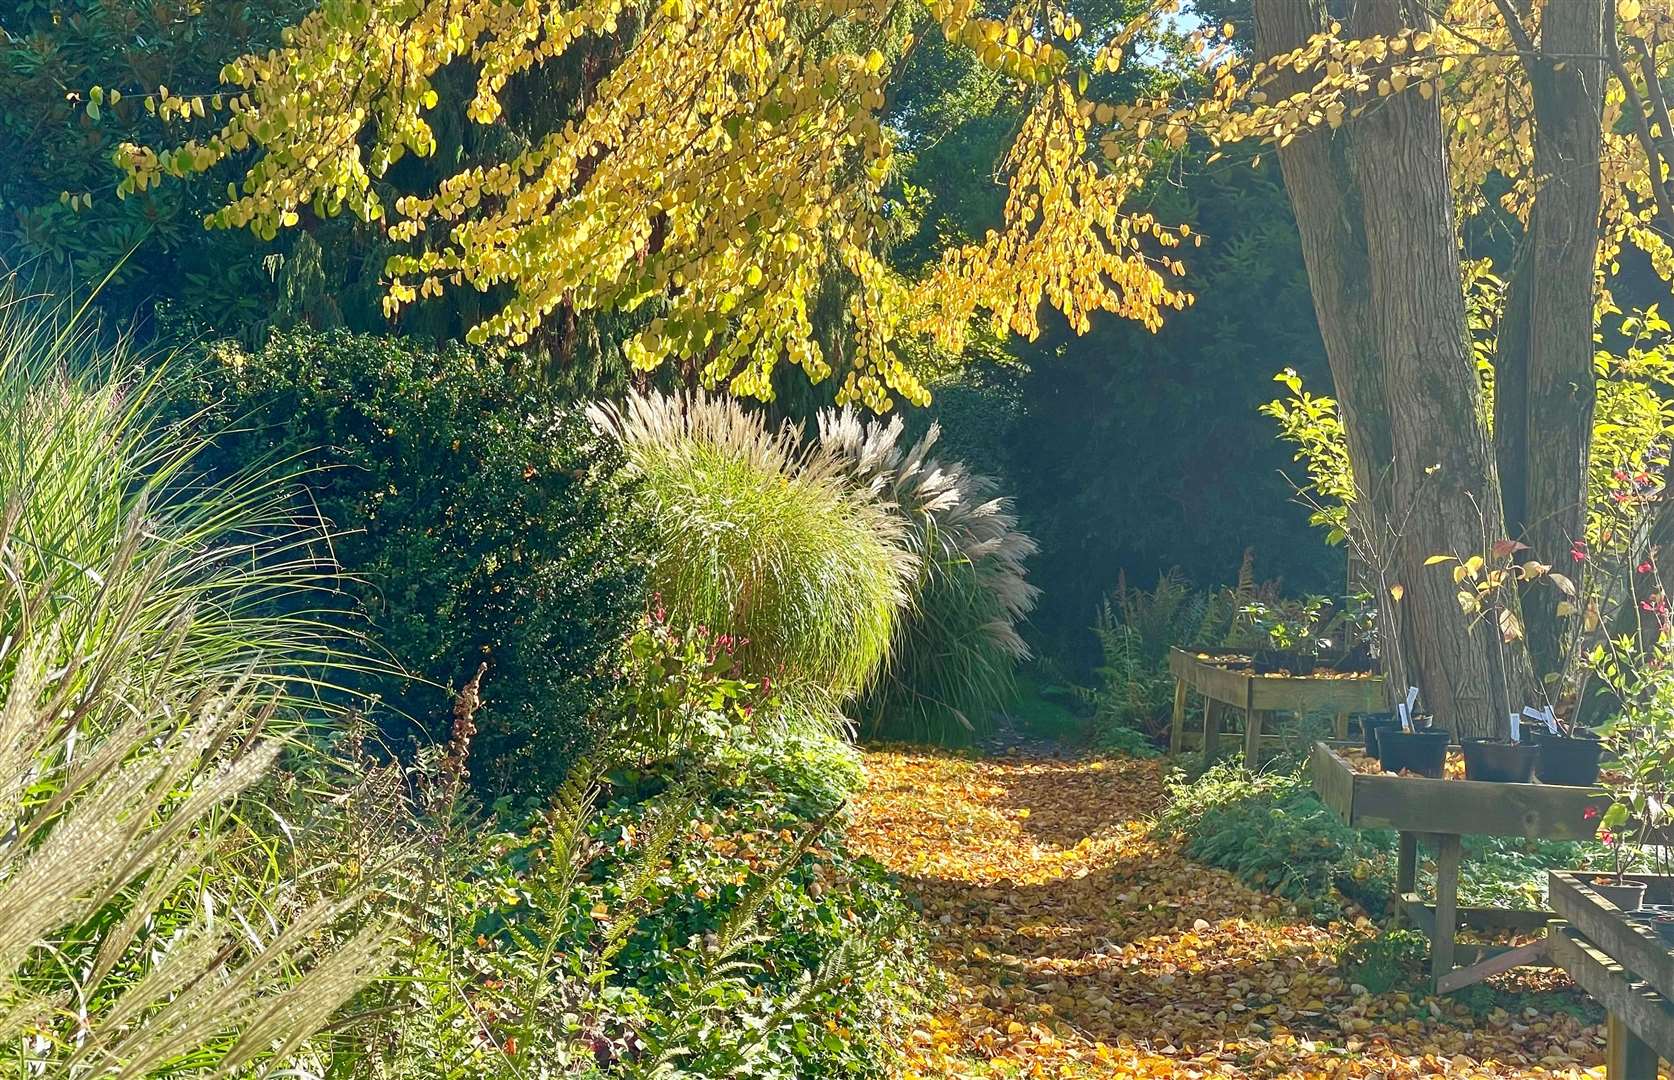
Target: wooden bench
(1445, 811)
(1624, 965)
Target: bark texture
(1383, 262)
(1544, 386)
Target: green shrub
(766, 539)
(1384, 961)
(1271, 830)
(954, 654)
(475, 518)
(149, 928)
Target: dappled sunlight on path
(1075, 945)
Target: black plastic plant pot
(1356, 661)
(1369, 725)
(1568, 759)
(1499, 761)
(1629, 896)
(1422, 752)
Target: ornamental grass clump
(768, 539)
(146, 692)
(955, 651)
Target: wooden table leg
(1252, 738)
(1211, 731)
(1406, 863)
(1177, 726)
(1447, 904)
(1627, 1056)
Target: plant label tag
(1412, 698)
(1551, 721)
(1406, 717)
(1516, 728)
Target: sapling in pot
(1292, 629)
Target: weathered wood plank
(1448, 849)
(1480, 918)
(1497, 961)
(1635, 947)
(1626, 1055)
(1177, 723)
(1406, 862)
(1420, 804)
(1646, 1013)
(1333, 781)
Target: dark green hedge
(476, 518)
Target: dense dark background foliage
(477, 519)
(1136, 452)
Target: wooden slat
(1333, 781)
(1636, 947)
(1290, 694)
(1481, 918)
(1493, 962)
(1462, 807)
(1419, 913)
(1648, 1014)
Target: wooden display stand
(1622, 964)
(1257, 696)
(1445, 811)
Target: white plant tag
(1516, 728)
(1406, 717)
(1412, 698)
(1551, 721)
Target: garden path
(1076, 945)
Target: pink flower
(1589, 813)
(1645, 567)
(1607, 836)
(1578, 551)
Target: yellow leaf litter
(1075, 945)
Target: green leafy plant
(1290, 625)
(767, 538)
(476, 519)
(954, 652)
(1385, 960)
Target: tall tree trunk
(1545, 388)
(1316, 173)
(1412, 358)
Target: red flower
(1578, 551)
(1645, 567)
(1607, 836)
(1589, 813)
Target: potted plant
(1422, 750)
(1640, 741)
(1291, 631)
(1570, 755)
(1500, 761)
(1357, 622)
(1613, 883)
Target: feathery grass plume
(954, 654)
(142, 686)
(767, 538)
(89, 471)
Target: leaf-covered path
(1075, 945)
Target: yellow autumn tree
(730, 157)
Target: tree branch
(1641, 125)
